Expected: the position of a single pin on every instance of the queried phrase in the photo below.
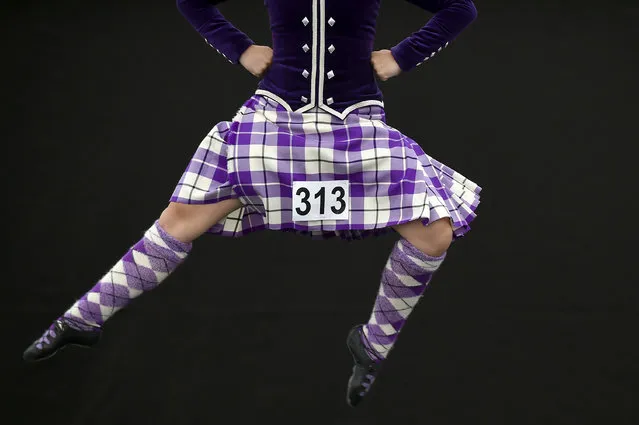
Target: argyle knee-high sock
(404, 279)
(145, 265)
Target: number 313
(321, 200)
(338, 191)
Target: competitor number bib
(327, 200)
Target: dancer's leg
(410, 268)
(164, 246)
(147, 263)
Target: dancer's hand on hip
(385, 65)
(257, 59)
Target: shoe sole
(71, 344)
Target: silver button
(304, 99)
(305, 21)
(330, 74)
(329, 101)
(331, 21)
(305, 73)
(331, 48)
(305, 48)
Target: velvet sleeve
(450, 18)
(218, 32)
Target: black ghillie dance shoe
(60, 334)
(365, 368)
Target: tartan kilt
(258, 156)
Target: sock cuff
(413, 251)
(157, 232)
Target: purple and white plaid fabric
(258, 155)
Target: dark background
(532, 319)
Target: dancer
(309, 152)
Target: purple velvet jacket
(322, 48)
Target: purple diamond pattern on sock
(404, 279)
(141, 269)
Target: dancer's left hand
(385, 65)
(257, 59)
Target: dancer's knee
(175, 216)
(433, 239)
(186, 222)
(439, 239)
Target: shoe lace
(52, 332)
(369, 378)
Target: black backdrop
(532, 319)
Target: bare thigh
(433, 240)
(186, 222)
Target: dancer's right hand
(257, 59)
